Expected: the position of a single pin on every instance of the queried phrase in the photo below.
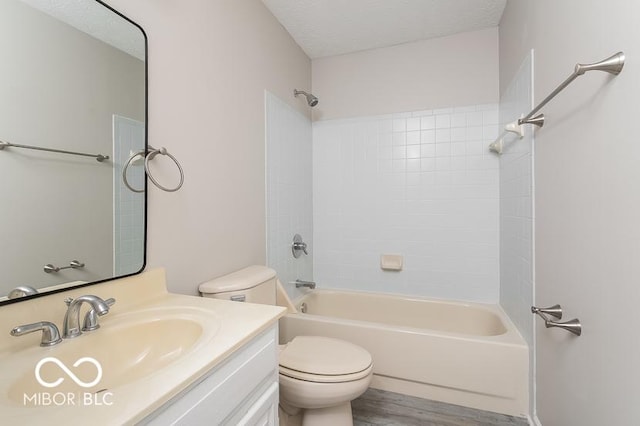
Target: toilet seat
(324, 360)
(319, 378)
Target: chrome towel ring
(126, 167)
(151, 154)
(162, 151)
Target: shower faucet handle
(298, 246)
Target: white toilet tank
(254, 284)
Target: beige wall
(587, 204)
(209, 64)
(450, 71)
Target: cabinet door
(226, 389)
(265, 410)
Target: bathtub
(468, 354)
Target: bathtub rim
(511, 336)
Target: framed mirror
(73, 111)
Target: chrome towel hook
(572, 326)
(151, 154)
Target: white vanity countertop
(226, 326)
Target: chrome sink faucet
(91, 317)
(71, 326)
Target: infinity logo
(68, 372)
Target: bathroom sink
(128, 348)
(152, 347)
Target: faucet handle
(50, 333)
(303, 246)
(298, 245)
(91, 317)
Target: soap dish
(391, 262)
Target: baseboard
(533, 421)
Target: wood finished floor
(381, 408)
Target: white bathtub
(462, 353)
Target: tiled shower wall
(516, 206)
(288, 153)
(516, 211)
(419, 184)
(128, 217)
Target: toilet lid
(324, 356)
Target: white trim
(534, 421)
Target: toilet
(319, 376)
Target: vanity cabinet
(242, 390)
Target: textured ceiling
(334, 27)
(96, 20)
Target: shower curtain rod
(98, 157)
(613, 65)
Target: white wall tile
(443, 135)
(474, 133)
(421, 200)
(427, 136)
(413, 124)
(428, 165)
(288, 170)
(516, 213)
(413, 138)
(413, 165)
(458, 134)
(385, 125)
(474, 118)
(413, 151)
(443, 149)
(443, 121)
(399, 125)
(458, 148)
(428, 150)
(399, 138)
(399, 152)
(490, 117)
(128, 223)
(428, 123)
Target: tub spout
(308, 284)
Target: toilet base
(286, 418)
(338, 415)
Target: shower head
(311, 99)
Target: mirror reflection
(73, 79)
